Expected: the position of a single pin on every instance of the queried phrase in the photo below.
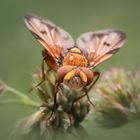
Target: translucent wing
(100, 45)
(54, 39)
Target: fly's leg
(43, 77)
(79, 98)
(97, 75)
(55, 100)
(87, 89)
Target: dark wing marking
(54, 39)
(100, 45)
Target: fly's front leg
(86, 93)
(87, 89)
(96, 75)
(57, 84)
(43, 77)
(79, 98)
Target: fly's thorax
(74, 77)
(74, 57)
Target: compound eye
(62, 71)
(89, 75)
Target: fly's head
(75, 77)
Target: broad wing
(54, 39)
(100, 45)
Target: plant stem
(24, 99)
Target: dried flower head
(58, 110)
(118, 97)
(65, 97)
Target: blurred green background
(20, 54)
